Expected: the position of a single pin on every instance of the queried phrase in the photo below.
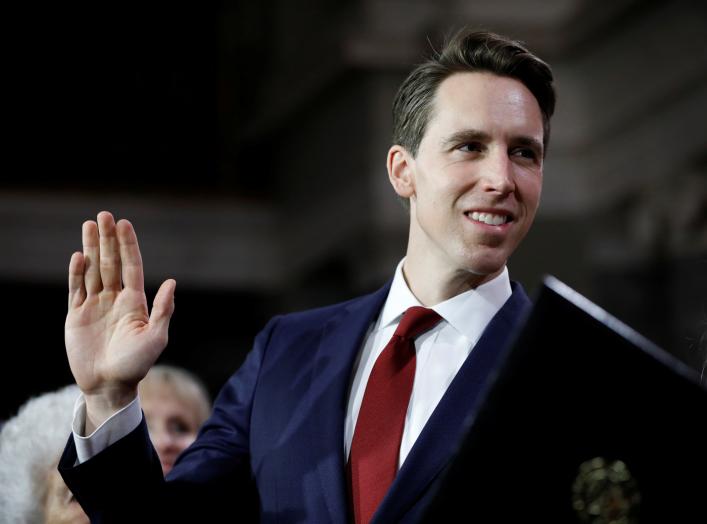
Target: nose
(497, 174)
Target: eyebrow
(530, 142)
(466, 135)
(475, 135)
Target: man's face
(474, 185)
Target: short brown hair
(468, 51)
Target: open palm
(111, 339)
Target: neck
(432, 285)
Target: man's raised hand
(111, 339)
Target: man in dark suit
(352, 411)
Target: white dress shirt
(440, 353)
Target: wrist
(100, 406)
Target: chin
(485, 267)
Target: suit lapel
(440, 437)
(341, 340)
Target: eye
(471, 147)
(178, 426)
(525, 153)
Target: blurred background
(246, 141)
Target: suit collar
(339, 346)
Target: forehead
(166, 403)
(487, 102)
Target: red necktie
(373, 462)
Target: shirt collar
(469, 313)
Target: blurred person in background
(176, 404)
(31, 489)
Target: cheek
(73, 513)
(61, 511)
(186, 440)
(437, 196)
(530, 187)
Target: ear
(400, 164)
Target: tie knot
(416, 320)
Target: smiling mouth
(491, 219)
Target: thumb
(162, 308)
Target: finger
(77, 288)
(92, 275)
(131, 260)
(109, 252)
(162, 309)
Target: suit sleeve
(213, 476)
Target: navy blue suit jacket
(274, 445)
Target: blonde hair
(183, 384)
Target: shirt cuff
(111, 431)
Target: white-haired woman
(31, 489)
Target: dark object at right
(583, 421)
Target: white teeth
(488, 218)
